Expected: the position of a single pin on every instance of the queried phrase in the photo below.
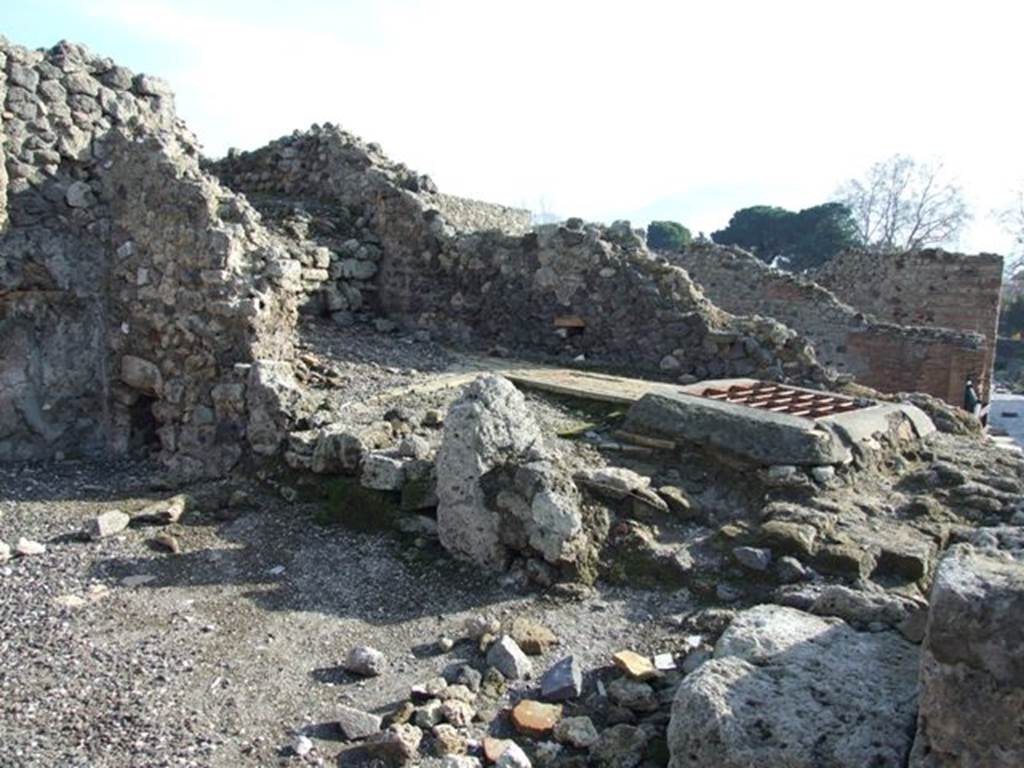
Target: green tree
(667, 236)
(803, 240)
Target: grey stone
(22, 76)
(301, 745)
(972, 662)
(790, 570)
(768, 698)
(366, 661)
(163, 512)
(141, 375)
(271, 393)
(80, 82)
(107, 524)
(29, 548)
(508, 658)
(824, 475)
(562, 681)
(383, 472)
(754, 558)
(490, 427)
(147, 85)
(513, 757)
(856, 606)
(633, 694)
(398, 744)
(80, 195)
(356, 724)
(578, 732)
(614, 482)
(5, 552)
(761, 436)
(621, 746)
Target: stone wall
(53, 373)
(562, 291)
(930, 288)
(133, 288)
(883, 355)
(467, 215)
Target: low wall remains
(562, 291)
(884, 355)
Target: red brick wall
(903, 364)
(930, 288)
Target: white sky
(682, 110)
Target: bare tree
(904, 205)
(1012, 219)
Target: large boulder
(499, 488)
(972, 659)
(787, 688)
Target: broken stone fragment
(461, 761)
(533, 638)
(634, 665)
(5, 551)
(478, 626)
(356, 724)
(458, 713)
(535, 718)
(141, 375)
(677, 499)
(508, 658)
(366, 661)
(163, 512)
(28, 548)
(107, 524)
(399, 744)
(301, 745)
(383, 472)
(753, 558)
(167, 542)
(793, 538)
(494, 748)
(621, 746)
(563, 681)
(430, 714)
(80, 195)
(633, 694)
(448, 740)
(513, 757)
(790, 570)
(578, 732)
(613, 482)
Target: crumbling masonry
(145, 302)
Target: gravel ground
(225, 651)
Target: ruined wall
(53, 313)
(930, 288)
(131, 285)
(467, 215)
(883, 355)
(563, 291)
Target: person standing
(971, 401)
